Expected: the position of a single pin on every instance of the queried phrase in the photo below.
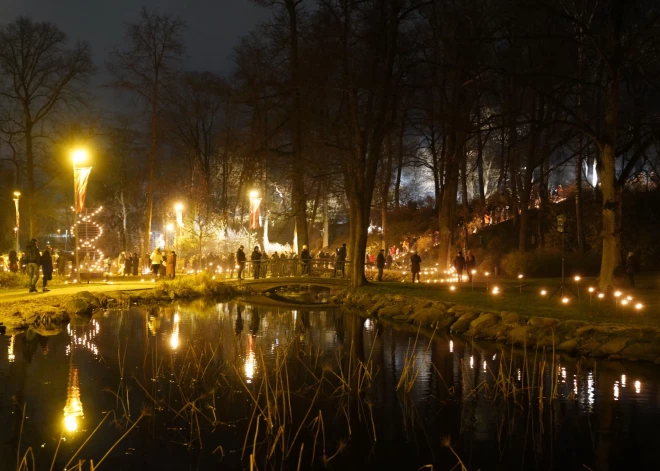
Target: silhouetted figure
(380, 264)
(240, 259)
(415, 266)
(459, 265)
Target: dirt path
(21, 294)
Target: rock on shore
(571, 336)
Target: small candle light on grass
(452, 288)
(496, 290)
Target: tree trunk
(124, 220)
(152, 168)
(397, 183)
(448, 201)
(298, 193)
(579, 218)
(29, 161)
(326, 223)
(385, 192)
(611, 196)
(464, 199)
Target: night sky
(213, 26)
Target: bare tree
(146, 62)
(41, 76)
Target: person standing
(121, 263)
(340, 262)
(170, 270)
(380, 264)
(128, 264)
(156, 261)
(470, 264)
(46, 267)
(415, 265)
(256, 262)
(305, 258)
(135, 264)
(631, 268)
(32, 261)
(459, 266)
(240, 259)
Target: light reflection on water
(122, 361)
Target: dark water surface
(332, 390)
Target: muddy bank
(611, 341)
(51, 312)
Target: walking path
(20, 294)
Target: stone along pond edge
(616, 342)
(612, 341)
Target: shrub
(13, 280)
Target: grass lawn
(529, 301)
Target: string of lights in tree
(89, 232)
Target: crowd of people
(287, 264)
(35, 264)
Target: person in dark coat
(135, 264)
(46, 267)
(380, 264)
(340, 261)
(170, 269)
(256, 262)
(305, 258)
(415, 265)
(631, 268)
(240, 259)
(128, 264)
(470, 264)
(459, 265)
(32, 262)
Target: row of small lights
(564, 300)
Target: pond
(235, 386)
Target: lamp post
(178, 209)
(17, 194)
(254, 215)
(77, 156)
(170, 231)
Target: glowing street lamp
(577, 287)
(78, 156)
(520, 277)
